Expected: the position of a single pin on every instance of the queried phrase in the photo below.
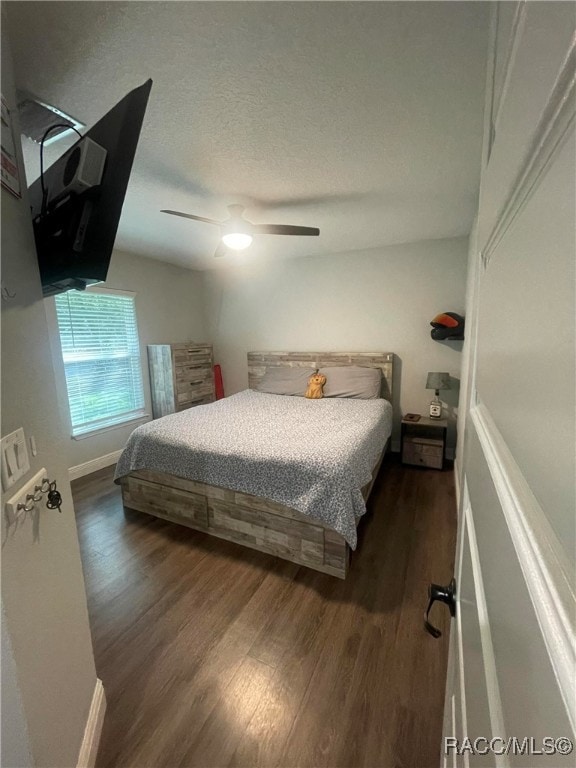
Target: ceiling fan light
(238, 241)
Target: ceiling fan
(237, 232)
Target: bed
(284, 475)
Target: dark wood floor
(215, 655)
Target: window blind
(101, 353)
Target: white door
(511, 684)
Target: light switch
(14, 458)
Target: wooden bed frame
(249, 520)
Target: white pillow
(352, 381)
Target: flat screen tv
(76, 205)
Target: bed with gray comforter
(313, 456)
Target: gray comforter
(311, 455)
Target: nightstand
(424, 442)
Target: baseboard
(93, 465)
(93, 730)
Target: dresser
(181, 376)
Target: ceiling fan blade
(311, 201)
(221, 250)
(192, 216)
(283, 229)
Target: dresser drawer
(204, 400)
(201, 379)
(430, 458)
(186, 355)
(194, 392)
(423, 451)
(193, 372)
(144, 496)
(428, 447)
(202, 360)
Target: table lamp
(437, 381)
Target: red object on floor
(218, 382)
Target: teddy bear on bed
(315, 384)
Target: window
(101, 355)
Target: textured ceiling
(363, 119)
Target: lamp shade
(438, 381)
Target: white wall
(169, 308)
(43, 595)
(371, 300)
(378, 300)
(15, 742)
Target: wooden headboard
(259, 361)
